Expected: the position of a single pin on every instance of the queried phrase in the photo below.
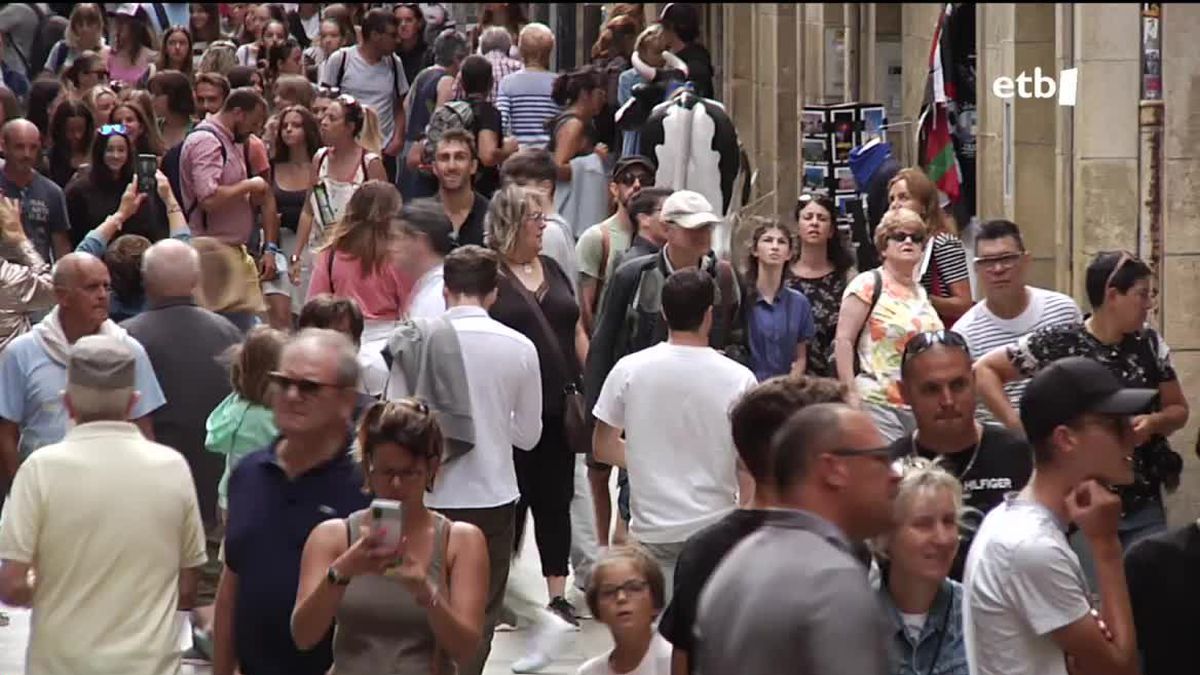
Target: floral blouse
(900, 314)
(825, 296)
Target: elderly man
(277, 496)
(523, 97)
(495, 43)
(834, 484)
(43, 206)
(33, 368)
(185, 344)
(113, 567)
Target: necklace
(974, 453)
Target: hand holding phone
(386, 526)
(146, 168)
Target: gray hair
(495, 39)
(331, 342)
(170, 268)
(510, 206)
(450, 47)
(90, 404)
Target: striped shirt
(525, 106)
(949, 261)
(985, 331)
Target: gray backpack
(447, 116)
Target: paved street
(506, 648)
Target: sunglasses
(917, 238)
(306, 387)
(110, 129)
(628, 178)
(1126, 258)
(922, 342)
(1003, 261)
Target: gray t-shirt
(381, 86)
(1022, 582)
(43, 210)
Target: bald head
(22, 147)
(170, 269)
(71, 267)
(535, 43)
(19, 128)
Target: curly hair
(506, 214)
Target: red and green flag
(936, 147)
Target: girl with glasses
(409, 610)
(943, 270)
(85, 72)
(821, 266)
(626, 594)
(881, 311)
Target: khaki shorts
(229, 278)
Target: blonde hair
(506, 214)
(370, 138)
(893, 220)
(89, 99)
(919, 476)
(650, 45)
(220, 57)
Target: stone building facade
(1078, 180)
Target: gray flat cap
(101, 362)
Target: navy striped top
(525, 105)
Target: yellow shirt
(107, 519)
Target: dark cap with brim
(1068, 388)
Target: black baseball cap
(628, 161)
(1070, 387)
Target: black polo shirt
(471, 231)
(270, 518)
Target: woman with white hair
(881, 310)
(924, 604)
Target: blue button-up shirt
(941, 649)
(270, 518)
(776, 329)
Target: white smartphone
(386, 522)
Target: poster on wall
(844, 127)
(812, 123)
(873, 122)
(816, 177)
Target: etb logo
(1044, 86)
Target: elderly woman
(881, 310)
(923, 603)
(536, 299)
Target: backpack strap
(605, 251)
(188, 210)
(396, 77)
(341, 72)
(875, 293)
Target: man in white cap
(109, 524)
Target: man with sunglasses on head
(601, 245)
(277, 495)
(1116, 336)
(792, 597)
(937, 383)
(1010, 309)
(1026, 604)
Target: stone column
(1181, 264)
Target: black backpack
(170, 168)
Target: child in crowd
(626, 594)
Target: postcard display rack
(829, 132)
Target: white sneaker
(548, 640)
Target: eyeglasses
(396, 476)
(628, 178)
(917, 238)
(610, 592)
(922, 342)
(536, 216)
(1126, 257)
(306, 387)
(110, 129)
(884, 453)
(1003, 261)
(99, 73)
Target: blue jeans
(1148, 520)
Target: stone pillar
(1181, 264)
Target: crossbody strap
(543, 322)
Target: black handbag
(575, 418)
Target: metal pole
(1150, 155)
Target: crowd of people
(265, 267)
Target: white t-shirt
(107, 519)
(381, 86)
(1021, 582)
(673, 403)
(657, 661)
(985, 331)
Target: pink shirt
(382, 295)
(202, 169)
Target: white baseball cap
(689, 210)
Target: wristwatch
(332, 576)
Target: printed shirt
(900, 313)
